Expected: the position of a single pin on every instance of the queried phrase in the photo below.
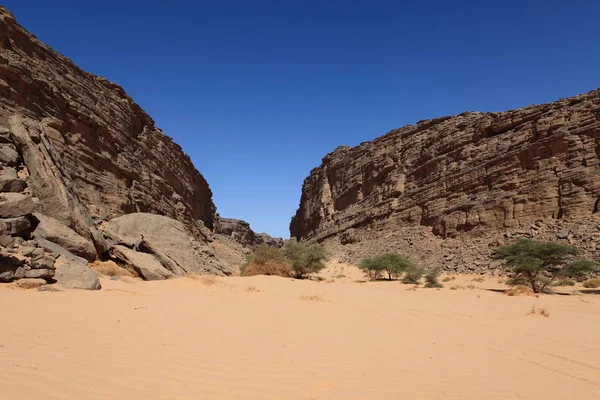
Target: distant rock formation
(471, 177)
(240, 232)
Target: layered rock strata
(474, 176)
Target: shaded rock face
(92, 152)
(469, 176)
(75, 152)
(157, 247)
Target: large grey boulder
(9, 155)
(10, 182)
(144, 264)
(59, 251)
(168, 240)
(41, 273)
(14, 226)
(54, 231)
(72, 274)
(15, 205)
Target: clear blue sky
(257, 92)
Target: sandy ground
(276, 338)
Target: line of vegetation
(296, 259)
(540, 265)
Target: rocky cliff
(472, 177)
(102, 143)
(76, 155)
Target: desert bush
(448, 279)
(432, 278)
(564, 282)
(266, 260)
(270, 267)
(592, 283)
(413, 275)
(306, 260)
(393, 264)
(540, 264)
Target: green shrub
(432, 278)
(370, 267)
(540, 264)
(266, 260)
(592, 283)
(413, 275)
(393, 264)
(306, 260)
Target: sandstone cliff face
(86, 134)
(76, 155)
(467, 176)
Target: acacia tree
(305, 259)
(371, 268)
(539, 264)
(393, 264)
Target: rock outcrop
(77, 153)
(240, 232)
(472, 177)
(93, 154)
(158, 247)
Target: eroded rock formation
(240, 232)
(77, 153)
(111, 158)
(474, 175)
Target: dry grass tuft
(252, 289)
(479, 279)
(520, 290)
(543, 311)
(208, 280)
(316, 298)
(456, 287)
(110, 268)
(270, 267)
(592, 283)
(448, 279)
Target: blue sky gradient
(257, 92)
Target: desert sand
(277, 338)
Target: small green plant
(592, 283)
(432, 278)
(540, 264)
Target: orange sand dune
(276, 338)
